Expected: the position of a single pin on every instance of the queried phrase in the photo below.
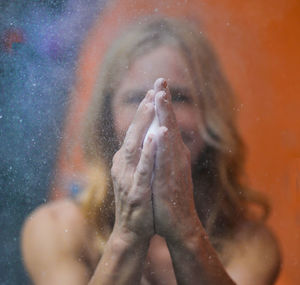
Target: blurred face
(168, 63)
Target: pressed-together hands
(161, 203)
(174, 210)
(131, 174)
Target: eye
(181, 96)
(134, 98)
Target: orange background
(258, 43)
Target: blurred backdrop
(39, 42)
(48, 57)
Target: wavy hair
(221, 198)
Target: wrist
(127, 239)
(189, 234)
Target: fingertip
(160, 84)
(164, 84)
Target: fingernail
(159, 84)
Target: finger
(162, 161)
(165, 112)
(144, 170)
(138, 128)
(160, 85)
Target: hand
(131, 174)
(174, 210)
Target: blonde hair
(218, 174)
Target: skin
(157, 228)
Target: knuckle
(133, 201)
(122, 185)
(146, 158)
(116, 158)
(130, 148)
(142, 171)
(115, 166)
(114, 172)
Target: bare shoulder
(60, 220)
(54, 234)
(255, 255)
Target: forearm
(122, 262)
(195, 261)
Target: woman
(165, 209)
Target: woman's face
(168, 63)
